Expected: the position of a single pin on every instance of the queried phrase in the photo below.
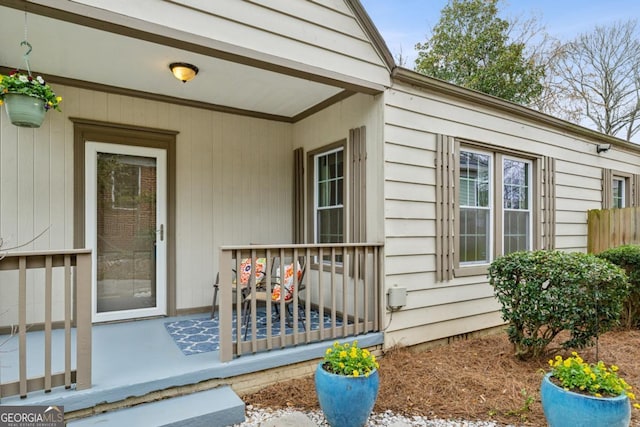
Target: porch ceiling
(69, 48)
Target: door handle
(161, 231)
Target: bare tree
(597, 75)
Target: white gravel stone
(260, 417)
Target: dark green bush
(628, 258)
(546, 292)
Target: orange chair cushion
(288, 283)
(245, 270)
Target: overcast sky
(403, 23)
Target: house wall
(322, 33)
(233, 186)
(332, 125)
(413, 118)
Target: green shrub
(546, 292)
(628, 258)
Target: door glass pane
(126, 230)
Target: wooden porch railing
(77, 308)
(341, 286)
(608, 228)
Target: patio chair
(246, 268)
(282, 285)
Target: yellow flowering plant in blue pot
(347, 384)
(350, 360)
(577, 393)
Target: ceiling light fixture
(183, 71)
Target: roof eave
(414, 78)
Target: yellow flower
(567, 363)
(550, 362)
(597, 395)
(343, 354)
(59, 98)
(636, 405)
(365, 353)
(328, 351)
(614, 368)
(1, 102)
(355, 373)
(631, 396)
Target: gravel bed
(256, 417)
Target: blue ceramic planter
(346, 401)
(564, 408)
(24, 110)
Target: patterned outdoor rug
(195, 336)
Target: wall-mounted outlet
(396, 297)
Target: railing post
(225, 306)
(83, 328)
(22, 324)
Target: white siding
(413, 118)
(320, 33)
(233, 177)
(332, 125)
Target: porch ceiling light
(183, 71)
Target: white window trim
(490, 208)
(623, 181)
(316, 194)
(529, 198)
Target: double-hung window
(329, 196)
(516, 204)
(495, 206)
(475, 198)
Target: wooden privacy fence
(608, 228)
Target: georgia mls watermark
(31, 416)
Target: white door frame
(91, 151)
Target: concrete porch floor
(140, 357)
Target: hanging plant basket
(24, 110)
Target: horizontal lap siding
(413, 119)
(323, 34)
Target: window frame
(498, 154)
(490, 207)
(625, 178)
(530, 198)
(312, 185)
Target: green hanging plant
(24, 84)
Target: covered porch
(132, 362)
(138, 358)
(280, 94)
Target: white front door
(126, 219)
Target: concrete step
(218, 407)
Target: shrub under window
(546, 292)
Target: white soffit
(73, 51)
